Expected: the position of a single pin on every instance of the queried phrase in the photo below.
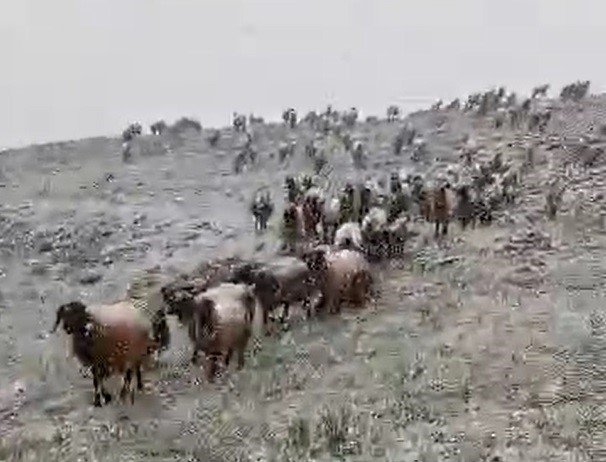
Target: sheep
(213, 139)
(289, 116)
(239, 122)
(158, 127)
(349, 236)
(221, 323)
(393, 113)
(343, 275)
(111, 339)
(465, 209)
(330, 219)
(539, 91)
(284, 281)
(437, 207)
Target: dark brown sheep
(221, 323)
(343, 275)
(284, 281)
(111, 339)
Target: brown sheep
(284, 281)
(343, 275)
(111, 339)
(436, 206)
(221, 324)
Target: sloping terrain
(486, 345)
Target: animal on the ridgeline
(312, 119)
(350, 117)
(575, 91)
(289, 116)
(185, 124)
(112, 339)
(262, 208)
(454, 105)
(541, 90)
(252, 120)
(221, 324)
(437, 105)
(158, 127)
(214, 138)
(393, 113)
(133, 130)
(239, 122)
(343, 276)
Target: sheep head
(73, 315)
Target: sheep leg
(211, 368)
(241, 357)
(307, 307)
(227, 359)
(96, 384)
(266, 321)
(98, 375)
(194, 357)
(445, 227)
(139, 379)
(285, 312)
(437, 229)
(126, 386)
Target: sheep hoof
(107, 397)
(97, 401)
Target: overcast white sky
(77, 68)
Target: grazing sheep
(111, 339)
(185, 124)
(343, 275)
(158, 127)
(539, 91)
(252, 120)
(133, 130)
(350, 117)
(221, 323)
(454, 105)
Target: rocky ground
(488, 344)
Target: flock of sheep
(330, 244)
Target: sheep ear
(60, 314)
